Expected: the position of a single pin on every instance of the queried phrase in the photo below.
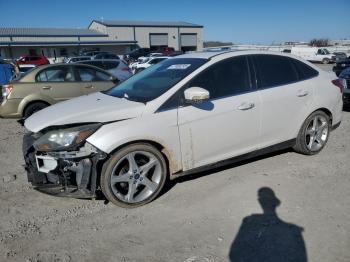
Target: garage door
(158, 39)
(188, 39)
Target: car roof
(205, 54)
(80, 56)
(42, 67)
(228, 53)
(157, 57)
(39, 68)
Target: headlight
(64, 139)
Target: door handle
(89, 86)
(46, 87)
(245, 106)
(302, 93)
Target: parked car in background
(32, 60)
(340, 66)
(135, 54)
(314, 54)
(143, 59)
(188, 113)
(49, 84)
(75, 59)
(117, 68)
(166, 51)
(91, 52)
(151, 61)
(344, 76)
(105, 56)
(23, 69)
(339, 56)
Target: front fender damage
(66, 174)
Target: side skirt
(259, 152)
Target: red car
(168, 51)
(32, 60)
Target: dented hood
(96, 107)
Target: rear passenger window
(225, 78)
(55, 74)
(274, 70)
(304, 71)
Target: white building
(179, 35)
(116, 37)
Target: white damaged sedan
(183, 115)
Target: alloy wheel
(316, 133)
(136, 176)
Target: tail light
(339, 83)
(6, 90)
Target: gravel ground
(197, 219)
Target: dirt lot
(197, 219)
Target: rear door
(93, 80)
(285, 96)
(59, 83)
(226, 126)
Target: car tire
(128, 182)
(313, 134)
(33, 108)
(325, 61)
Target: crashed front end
(60, 162)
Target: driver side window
(87, 74)
(225, 78)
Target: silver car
(76, 59)
(117, 68)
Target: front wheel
(134, 176)
(33, 108)
(314, 134)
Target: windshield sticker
(179, 66)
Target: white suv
(185, 114)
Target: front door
(226, 126)
(93, 80)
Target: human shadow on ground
(266, 238)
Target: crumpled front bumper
(66, 174)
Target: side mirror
(196, 95)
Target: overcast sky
(240, 21)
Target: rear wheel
(325, 61)
(33, 108)
(314, 134)
(134, 176)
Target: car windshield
(156, 80)
(326, 52)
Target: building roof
(125, 23)
(66, 43)
(49, 32)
